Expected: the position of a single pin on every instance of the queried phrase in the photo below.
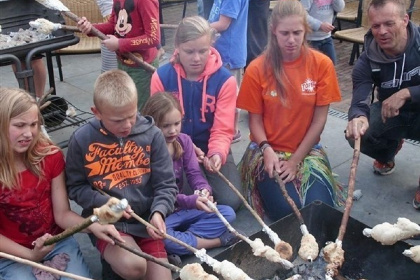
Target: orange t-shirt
(310, 81)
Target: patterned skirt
(316, 163)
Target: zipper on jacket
(121, 142)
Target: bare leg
(40, 76)
(157, 272)
(124, 263)
(208, 243)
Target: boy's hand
(84, 25)
(40, 251)
(106, 232)
(159, 223)
(111, 43)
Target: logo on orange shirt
(120, 166)
(308, 87)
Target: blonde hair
(192, 28)
(14, 102)
(273, 58)
(115, 88)
(157, 106)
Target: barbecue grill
(365, 258)
(17, 14)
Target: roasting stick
(108, 213)
(188, 272)
(43, 267)
(59, 6)
(148, 257)
(258, 247)
(225, 268)
(282, 247)
(47, 27)
(333, 252)
(309, 248)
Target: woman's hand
(40, 251)
(159, 223)
(84, 25)
(213, 164)
(271, 161)
(287, 170)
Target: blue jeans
(187, 225)
(326, 46)
(277, 207)
(11, 270)
(381, 139)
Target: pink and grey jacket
(208, 103)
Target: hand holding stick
(333, 252)
(309, 248)
(227, 269)
(57, 5)
(108, 213)
(282, 247)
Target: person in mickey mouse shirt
(132, 27)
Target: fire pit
(364, 257)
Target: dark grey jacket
(138, 168)
(388, 74)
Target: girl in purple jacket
(192, 222)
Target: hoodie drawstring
(180, 97)
(402, 72)
(203, 99)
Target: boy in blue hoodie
(116, 153)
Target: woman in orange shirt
(287, 91)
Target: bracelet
(265, 146)
(262, 143)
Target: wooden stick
(45, 95)
(71, 230)
(102, 36)
(242, 198)
(167, 236)
(44, 105)
(107, 213)
(58, 5)
(148, 257)
(288, 198)
(43, 267)
(352, 180)
(213, 207)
